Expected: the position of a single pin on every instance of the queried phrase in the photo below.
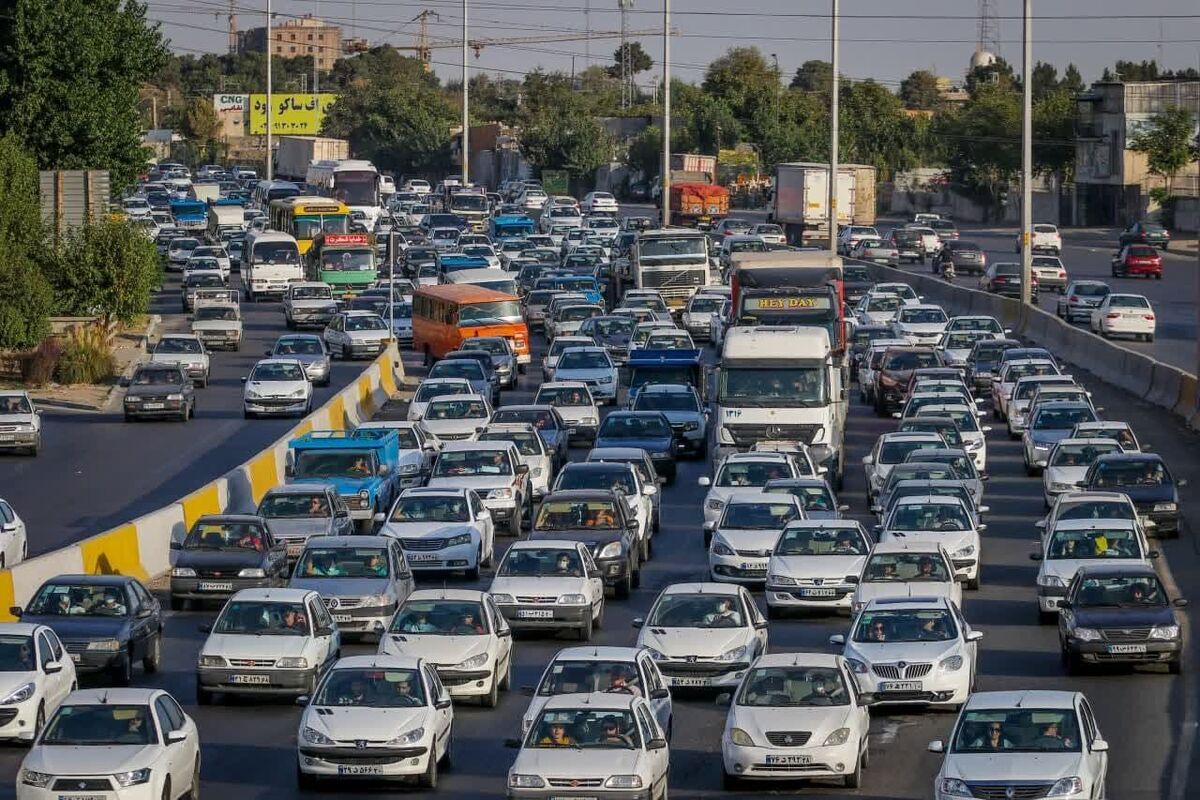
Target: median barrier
(1185, 406)
(142, 547)
(1165, 386)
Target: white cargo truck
(801, 201)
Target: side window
(143, 595)
(650, 677)
(401, 562)
(646, 722)
(587, 560)
(320, 616)
(163, 718)
(435, 685)
(476, 504)
(6, 513)
(55, 644)
(45, 651)
(174, 712)
(1089, 722)
(498, 622)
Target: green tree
(645, 152)
(1045, 80)
(920, 90)
(1054, 134)
(26, 299)
(106, 267)
(874, 128)
(1072, 81)
(1166, 141)
(639, 59)
(814, 76)
(983, 141)
(70, 73)
(200, 121)
(568, 137)
(743, 79)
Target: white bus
(353, 182)
(266, 191)
(270, 261)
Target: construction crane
(424, 47)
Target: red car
(1137, 259)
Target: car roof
(544, 544)
(18, 628)
(1092, 524)
(345, 542)
(906, 546)
(756, 455)
(1138, 569)
(798, 660)
(129, 696)
(580, 494)
(435, 491)
(910, 602)
(281, 594)
(667, 388)
(378, 660)
(601, 701)
(93, 580)
(1025, 698)
(912, 436)
(848, 524)
(702, 587)
(456, 397)
(230, 518)
(303, 487)
(446, 593)
(462, 447)
(739, 496)
(929, 499)
(598, 653)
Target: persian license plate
(900, 686)
(788, 760)
(572, 797)
(535, 613)
(7, 437)
(359, 769)
(421, 557)
(572, 430)
(690, 681)
(295, 549)
(1117, 649)
(81, 797)
(215, 586)
(342, 617)
(154, 406)
(818, 592)
(751, 566)
(251, 679)
(75, 657)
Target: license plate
(82, 797)
(341, 617)
(295, 549)
(215, 586)
(7, 437)
(154, 406)
(359, 769)
(1126, 648)
(690, 681)
(572, 430)
(412, 557)
(900, 686)
(751, 566)
(818, 592)
(75, 657)
(535, 613)
(572, 797)
(250, 679)
(788, 760)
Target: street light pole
(665, 181)
(466, 131)
(1027, 157)
(270, 101)
(834, 89)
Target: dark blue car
(648, 430)
(1144, 477)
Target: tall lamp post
(270, 154)
(466, 133)
(1027, 155)
(834, 89)
(665, 182)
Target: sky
(938, 35)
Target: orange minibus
(447, 315)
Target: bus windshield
(357, 188)
(308, 226)
(489, 313)
(347, 260)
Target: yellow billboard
(300, 114)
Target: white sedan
(796, 714)
(36, 675)
(123, 743)
(1073, 543)
(1124, 314)
(373, 718)
(943, 520)
(14, 541)
(442, 529)
(277, 386)
(913, 650)
(900, 569)
(816, 564)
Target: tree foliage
(920, 90)
(200, 122)
(814, 76)
(1166, 141)
(983, 141)
(26, 298)
(639, 59)
(106, 268)
(560, 131)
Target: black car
(160, 391)
(489, 368)
(856, 282)
(223, 554)
(106, 622)
(1119, 614)
(1144, 477)
(909, 244)
(983, 364)
(601, 520)
(965, 256)
(1144, 233)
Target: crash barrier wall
(1137, 373)
(142, 547)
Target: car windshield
(962, 341)
(1095, 542)
(618, 479)
(812, 498)
(457, 368)
(312, 293)
(540, 419)
(820, 542)
(179, 345)
(614, 326)
(912, 359)
(561, 515)
(441, 618)
(705, 304)
(888, 302)
(774, 386)
(758, 516)
(666, 401)
(905, 567)
(905, 625)
(697, 611)
(226, 536)
(584, 359)
(929, 517)
(16, 654)
(143, 377)
(563, 396)
(101, 725)
(369, 687)
(263, 618)
(896, 452)
(1058, 419)
(1128, 301)
(634, 426)
(299, 346)
(277, 372)
(1091, 290)
(1142, 251)
(430, 389)
(294, 506)
(1096, 509)
(456, 409)
(465, 463)
(668, 340)
(489, 344)
(206, 313)
(587, 677)
(1119, 591)
(78, 599)
(498, 311)
(794, 687)
(1118, 474)
(1080, 455)
(530, 562)
(1023, 730)
(591, 728)
(960, 464)
(426, 508)
(334, 463)
(751, 473)
(1018, 371)
(528, 444)
(365, 322)
(343, 562)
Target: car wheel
(124, 672)
(166, 792)
(1149, 337)
(1175, 667)
(472, 574)
(1046, 617)
(429, 778)
(304, 780)
(774, 612)
(178, 603)
(625, 588)
(854, 779)
(492, 698)
(153, 657)
(194, 789)
(506, 678)
(1072, 663)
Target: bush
(85, 357)
(37, 368)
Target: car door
(172, 757)
(443, 717)
(483, 520)
(275, 557)
(145, 617)
(343, 524)
(58, 684)
(327, 638)
(504, 642)
(653, 683)
(595, 582)
(1097, 762)
(402, 577)
(755, 618)
(659, 757)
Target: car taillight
(1114, 316)
(1149, 317)
(1062, 273)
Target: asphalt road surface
(96, 471)
(1148, 717)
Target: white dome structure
(982, 58)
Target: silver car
(361, 579)
(296, 512)
(309, 350)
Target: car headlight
(589, 421)
(298, 393)
(175, 396)
(110, 645)
(519, 781)
(134, 777)
(252, 572)
(732, 655)
(410, 469)
(462, 538)
(20, 695)
(606, 379)
(610, 550)
(474, 662)
(719, 548)
(1061, 487)
(953, 787)
(503, 599)
(183, 572)
(975, 444)
(1164, 506)
(951, 664)
(837, 737)
(211, 661)
(572, 600)
(857, 666)
(781, 580)
(292, 662)
(1050, 581)
(500, 494)
(714, 504)
(1066, 786)
(1158, 632)
(740, 738)
(624, 782)
(39, 780)
(364, 495)
(963, 552)
(1087, 634)
(314, 736)
(410, 737)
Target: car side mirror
(324, 630)
(380, 517)
(1181, 482)
(838, 639)
(522, 469)
(975, 636)
(1153, 554)
(443, 703)
(1035, 556)
(1065, 604)
(723, 699)
(176, 545)
(1100, 746)
(52, 667)
(205, 627)
(843, 508)
(649, 490)
(176, 737)
(16, 611)
(638, 622)
(986, 429)
(656, 744)
(664, 694)
(986, 509)
(1179, 602)
(895, 415)
(704, 481)
(303, 700)
(145, 612)
(936, 746)
(868, 460)
(289, 471)
(384, 470)
(512, 744)
(1040, 524)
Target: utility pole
(626, 61)
(316, 54)
(665, 180)
(270, 99)
(233, 32)
(834, 88)
(1027, 154)
(466, 129)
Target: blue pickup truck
(664, 366)
(508, 227)
(365, 471)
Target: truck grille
(745, 435)
(681, 279)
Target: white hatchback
(431, 388)
(816, 564)
(944, 520)
(37, 676)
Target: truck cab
(363, 470)
(674, 262)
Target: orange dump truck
(698, 205)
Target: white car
(356, 334)
(912, 650)
(957, 346)
(907, 569)
(567, 318)
(703, 635)
(555, 350)
(217, 252)
(920, 324)
(942, 519)
(417, 186)
(972, 435)
(442, 529)
(769, 233)
(977, 323)
(549, 585)
(418, 450)
(530, 448)
(484, 251)
(1068, 463)
(35, 678)
(368, 711)
(186, 351)
(743, 471)
(1090, 505)
(435, 387)
(796, 714)
(1044, 238)
(591, 365)
(463, 636)
(1004, 742)
(851, 235)
(742, 539)
(456, 417)
(267, 642)
(816, 564)
(575, 405)
(20, 422)
(901, 290)
(495, 471)
(1021, 396)
(697, 316)
(1072, 543)
(613, 670)
(1011, 372)
(892, 449)
(1124, 314)
(14, 539)
(640, 495)
(609, 743)
(134, 743)
(277, 386)
(598, 203)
